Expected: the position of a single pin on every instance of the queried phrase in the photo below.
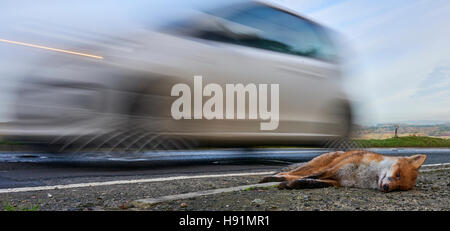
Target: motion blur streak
(52, 49)
(122, 105)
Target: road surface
(25, 170)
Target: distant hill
(423, 122)
(387, 130)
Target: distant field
(385, 131)
(406, 141)
(379, 136)
(403, 141)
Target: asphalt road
(26, 170)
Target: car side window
(267, 28)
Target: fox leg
(306, 183)
(272, 179)
(310, 169)
(278, 178)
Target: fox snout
(385, 188)
(385, 184)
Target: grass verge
(9, 207)
(406, 141)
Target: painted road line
(142, 203)
(435, 165)
(148, 180)
(434, 169)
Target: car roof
(287, 10)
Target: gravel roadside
(112, 197)
(431, 193)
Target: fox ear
(417, 160)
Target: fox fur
(361, 169)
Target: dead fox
(361, 169)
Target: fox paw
(284, 185)
(272, 179)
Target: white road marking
(148, 180)
(435, 169)
(436, 165)
(152, 201)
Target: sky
(398, 64)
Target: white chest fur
(365, 174)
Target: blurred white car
(122, 99)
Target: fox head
(403, 174)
